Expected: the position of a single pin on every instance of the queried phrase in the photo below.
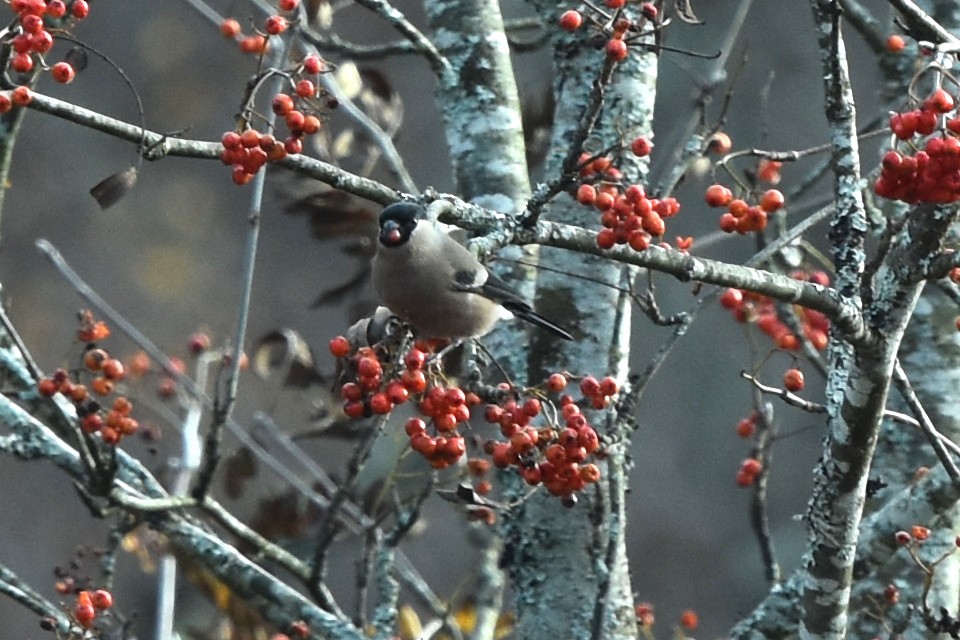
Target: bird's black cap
(397, 222)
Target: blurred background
(168, 258)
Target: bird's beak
(390, 234)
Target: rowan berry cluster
(302, 110)
(257, 43)
(621, 28)
(549, 454)
(932, 173)
(740, 216)
(750, 307)
(747, 474)
(30, 38)
(96, 412)
(552, 455)
(89, 604)
(627, 215)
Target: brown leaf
(111, 189)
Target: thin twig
(934, 437)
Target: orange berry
(895, 43)
(230, 28)
(689, 620)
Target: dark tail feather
(531, 316)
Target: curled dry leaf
(114, 187)
(285, 353)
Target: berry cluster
(111, 423)
(31, 39)
(549, 454)
(740, 216)
(620, 29)
(553, 456)
(302, 110)
(747, 306)
(931, 174)
(627, 215)
(257, 43)
(89, 605)
(747, 473)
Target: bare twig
(926, 425)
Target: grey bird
(434, 284)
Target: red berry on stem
(80, 9)
(312, 65)
(718, 195)
(275, 25)
(793, 380)
(772, 200)
(63, 73)
(616, 50)
(102, 599)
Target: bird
(435, 285)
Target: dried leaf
(284, 352)
(114, 187)
(77, 58)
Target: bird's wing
(485, 283)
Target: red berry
(642, 146)
(772, 200)
(21, 62)
(32, 23)
(56, 8)
(312, 65)
(80, 9)
(589, 387)
(718, 195)
(311, 124)
(305, 88)
(606, 238)
(288, 5)
(919, 533)
(380, 403)
(198, 342)
(793, 380)
(557, 382)
(616, 50)
(902, 537)
(63, 73)
(649, 10)
(275, 25)
(102, 599)
(895, 43)
(84, 615)
(939, 101)
(746, 428)
(609, 386)
(751, 466)
(369, 367)
(586, 194)
(293, 145)
(47, 387)
(571, 20)
(614, 4)
(255, 43)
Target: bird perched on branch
(434, 284)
